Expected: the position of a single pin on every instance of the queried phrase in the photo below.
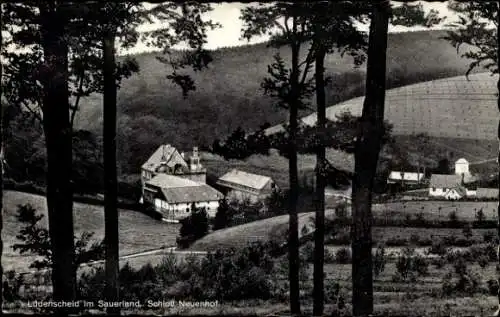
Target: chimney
(163, 158)
(195, 160)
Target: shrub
(461, 280)
(489, 251)
(452, 217)
(408, 219)
(379, 261)
(34, 239)
(343, 256)
(12, 286)
(420, 218)
(480, 217)
(223, 216)
(225, 275)
(438, 247)
(467, 231)
(341, 211)
(193, 227)
(438, 262)
(329, 257)
(308, 254)
(236, 275)
(488, 237)
(492, 287)
(409, 265)
(342, 237)
(334, 295)
(483, 261)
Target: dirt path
(159, 251)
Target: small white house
(342, 194)
(447, 186)
(462, 167)
(399, 177)
(173, 196)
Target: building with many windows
(168, 160)
(174, 196)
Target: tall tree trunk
(497, 313)
(110, 177)
(319, 233)
(58, 137)
(368, 145)
(293, 239)
(1, 161)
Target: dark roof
(180, 190)
(462, 191)
(445, 181)
(162, 154)
(191, 194)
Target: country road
(155, 252)
(484, 161)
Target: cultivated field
(436, 210)
(138, 232)
(470, 108)
(263, 230)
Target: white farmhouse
(400, 177)
(173, 196)
(447, 186)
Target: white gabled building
(173, 196)
(462, 167)
(399, 177)
(447, 186)
(168, 160)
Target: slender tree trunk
(368, 145)
(497, 313)
(319, 233)
(58, 137)
(293, 240)
(1, 162)
(110, 177)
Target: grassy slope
(138, 232)
(229, 95)
(266, 229)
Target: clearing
(138, 232)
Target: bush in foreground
(227, 275)
(410, 265)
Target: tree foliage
(180, 23)
(475, 32)
(34, 240)
(193, 227)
